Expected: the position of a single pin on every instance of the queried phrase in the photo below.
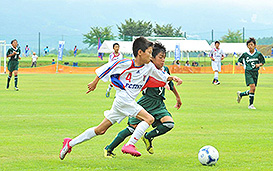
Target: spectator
(75, 51)
(187, 63)
(53, 61)
(194, 64)
(46, 50)
(26, 50)
(177, 62)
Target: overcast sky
(74, 17)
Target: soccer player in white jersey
(129, 77)
(116, 55)
(216, 55)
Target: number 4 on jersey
(129, 76)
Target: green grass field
(48, 108)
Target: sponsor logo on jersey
(133, 86)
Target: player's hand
(14, 53)
(212, 59)
(178, 80)
(258, 65)
(239, 64)
(91, 87)
(222, 58)
(19, 57)
(178, 103)
(167, 87)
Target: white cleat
(251, 107)
(239, 96)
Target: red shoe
(130, 149)
(66, 148)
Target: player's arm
(11, 54)
(175, 79)
(240, 60)
(262, 61)
(211, 55)
(92, 85)
(223, 55)
(178, 100)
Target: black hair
(141, 44)
(115, 45)
(251, 39)
(13, 41)
(217, 42)
(158, 47)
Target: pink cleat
(131, 149)
(66, 148)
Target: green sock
(120, 138)
(246, 93)
(160, 129)
(15, 80)
(9, 78)
(251, 98)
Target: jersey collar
(251, 54)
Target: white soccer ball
(208, 155)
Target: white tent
(185, 46)
(125, 46)
(233, 47)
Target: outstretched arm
(92, 85)
(175, 79)
(178, 100)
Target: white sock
(139, 131)
(86, 135)
(216, 75)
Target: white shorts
(122, 107)
(216, 65)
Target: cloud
(243, 21)
(254, 18)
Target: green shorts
(13, 66)
(156, 108)
(251, 77)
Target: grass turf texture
(48, 108)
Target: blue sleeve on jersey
(116, 82)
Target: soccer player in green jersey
(252, 61)
(13, 54)
(152, 101)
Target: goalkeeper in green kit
(153, 102)
(252, 62)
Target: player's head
(143, 48)
(34, 53)
(251, 43)
(26, 45)
(158, 55)
(116, 47)
(14, 43)
(217, 44)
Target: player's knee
(150, 120)
(168, 125)
(99, 131)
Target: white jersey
(126, 76)
(113, 57)
(216, 54)
(34, 58)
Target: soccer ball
(208, 155)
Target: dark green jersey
(158, 92)
(14, 57)
(250, 60)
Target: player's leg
(108, 90)
(86, 135)
(215, 69)
(108, 150)
(251, 96)
(165, 125)
(147, 120)
(8, 80)
(16, 80)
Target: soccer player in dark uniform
(13, 54)
(252, 61)
(152, 101)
